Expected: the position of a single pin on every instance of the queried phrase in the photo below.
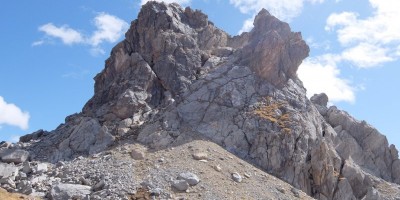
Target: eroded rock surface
(177, 77)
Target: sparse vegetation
(273, 111)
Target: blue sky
(51, 50)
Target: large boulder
(320, 99)
(8, 170)
(69, 191)
(86, 137)
(14, 156)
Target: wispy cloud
(324, 45)
(67, 35)
(370, 41)
(12, 115)
(76, 75)
(37, 43)
(109, 28)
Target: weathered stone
(281, 189)
(5, 144)
(27, 167)
(295, 192)
(68, 191)
(99, 186)
(236, 177)
(8, 181)
(359, 181)
(24, 187)
(138, 154)
(84, 181)
(8, 170)
(200, 156)
(180, 185)
(344, 190)
(190, 178)
(320, 99)
(33, 136)
(21, 176)
(217, 168)
(41, 168)
(14, 155)
(275, 66)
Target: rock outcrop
(176, 77)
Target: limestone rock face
(272, 50)
(176, 77)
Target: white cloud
(325, 45)
(10, 114)
(109, 28)
(168, 1)
(67, 35)
(366, 55)
(283, 9)
(370, 41)
(320, 74)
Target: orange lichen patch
(272, 111)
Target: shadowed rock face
(177, 77)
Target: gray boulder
(190, 178)
(69, 191)
(236, 177)
(8, 170)
(320, 99)
(14, 155)
(180, 185)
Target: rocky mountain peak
(177, 78)
(176, 46)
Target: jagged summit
(171, 46)
(177, 78)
